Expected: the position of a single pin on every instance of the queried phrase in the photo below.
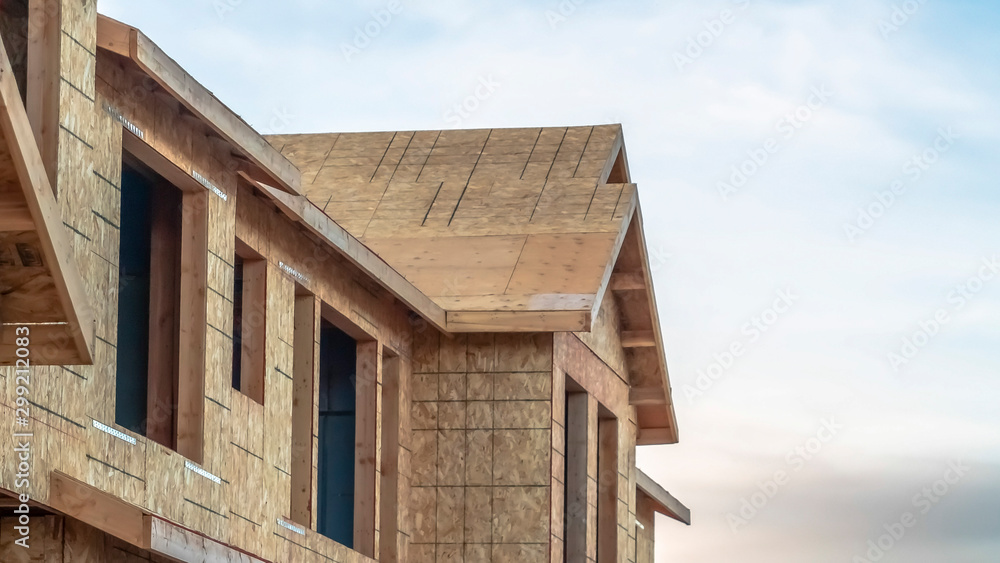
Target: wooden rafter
(35, 195)
(129, 42)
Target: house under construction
(414, 347)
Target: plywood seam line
(469, 180)
(379, 165)
(514, 269)
(428, 157)
(532, 153)
(431, 206)
(402, 157)
(554, 158)
(583, 153)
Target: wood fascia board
(96, 508)
(664, 502)
(633, 205)
(301, 210)
(655, 318)
(128, 41)
(617, 147)
(518, 321)
(45, 212)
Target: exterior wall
(596, 361)
(482, 439)
(247, 446)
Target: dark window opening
(148, 301)
(249, 321)
(575, 478)
(337, 423)
(237, 320)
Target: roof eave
(663, 502)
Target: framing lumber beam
(646, 396)
(656, 436)
(628, 281)
(34, 179)
(181, 544)
(98, 509)
(638, 339)
(663, 502)
(129, 42)
(43, 80)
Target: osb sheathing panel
(480, 220)
(247, 445)
(481, 442)
(604, 338)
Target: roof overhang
(40, 287)
(662, 501)
(630, 282)
(261, 159)
(302, 211)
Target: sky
(818, 182)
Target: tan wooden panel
(453, 266)
(562, 263)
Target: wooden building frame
(492, 424)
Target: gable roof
(502, 228)
(40, 286)
(492, 230)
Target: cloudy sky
(819, 186)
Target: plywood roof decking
(39, 283)
(482, 221)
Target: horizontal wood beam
(98, 509)
(638, 339)
(628, 281)
(184, 545)
(656, 436)
(519, 321)
(646, 396)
